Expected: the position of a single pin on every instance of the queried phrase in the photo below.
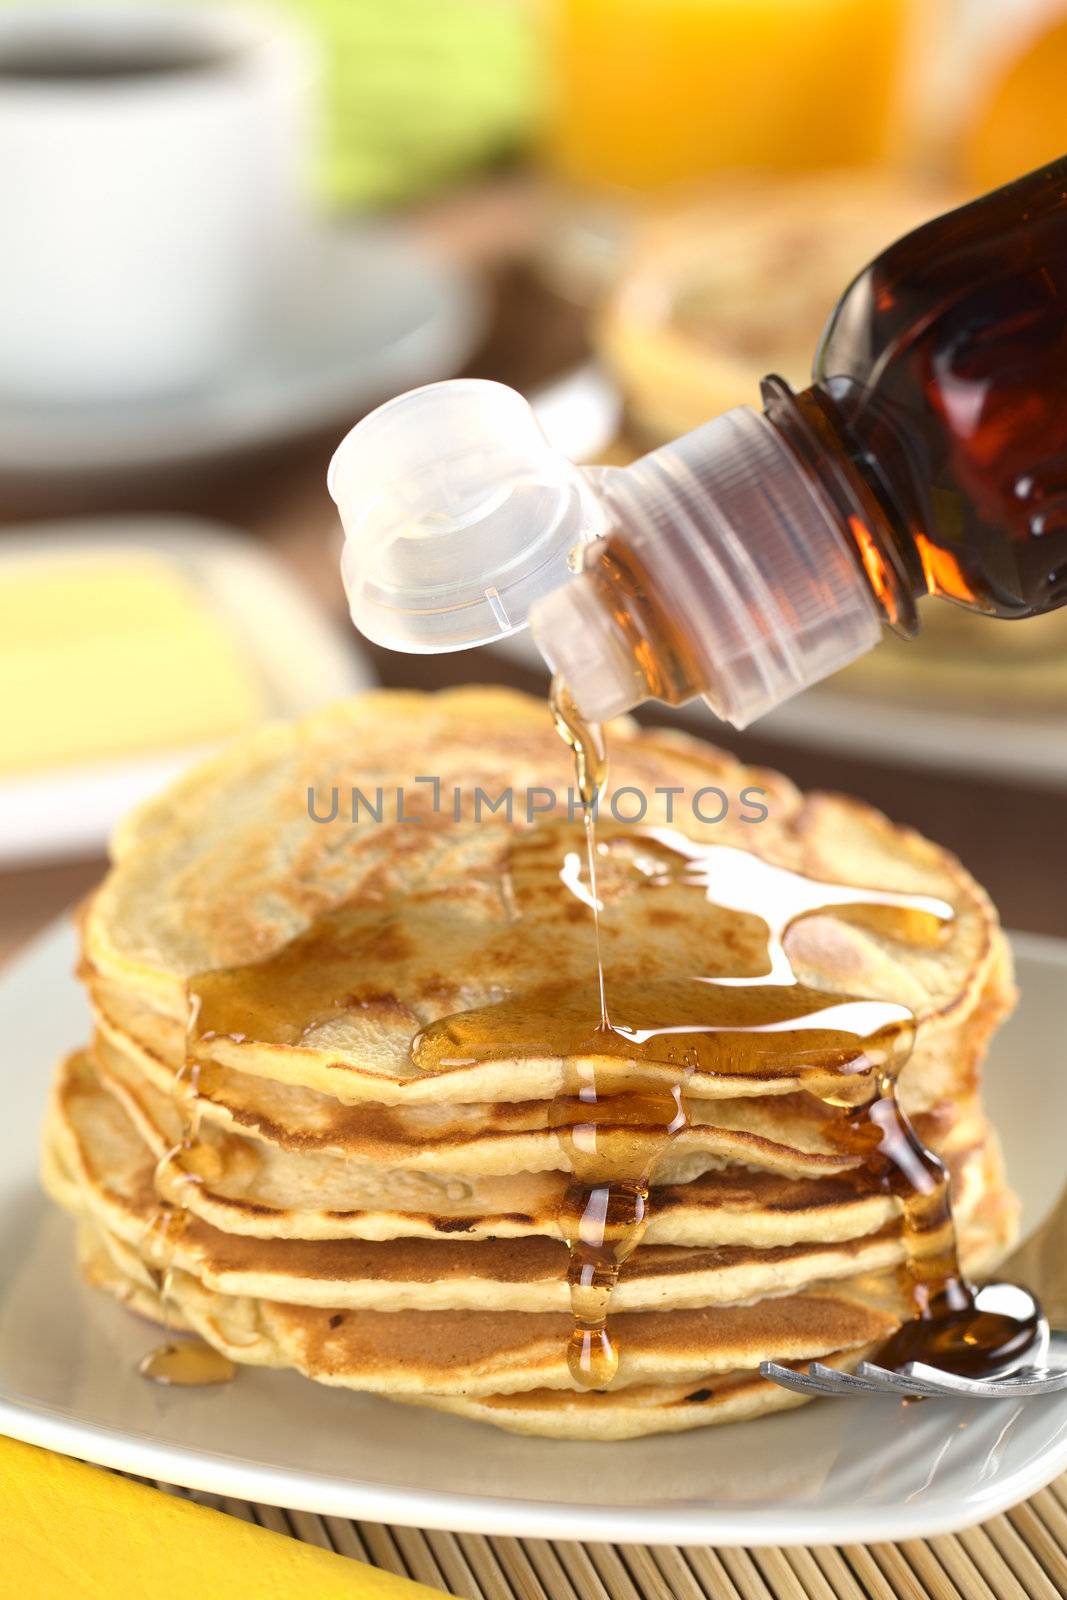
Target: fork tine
(790, 1378)
(916, 1379)
(817, 1379)
(832, 1381)
(947, 1382)
(927, 1383)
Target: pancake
(633, 1412)
(789, 1133)
(97, 1166)
(527, 1274)
(485, 1352)
(508, 1370)
(230, 869)
(253, 1190)
(482, 1352)
(494, 1137)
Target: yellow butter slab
(105, 657)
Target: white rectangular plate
(836, 1472)
(300, 656)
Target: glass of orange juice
(648, 94)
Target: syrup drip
(602, 1221)
(586, 739)
(186, 1362)
(948, 1329)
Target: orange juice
(654, 92)
(1020, 118)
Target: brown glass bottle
(942, 378)
(931, 445)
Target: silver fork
(1040, 1369)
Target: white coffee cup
(151, 167)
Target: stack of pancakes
(253, 1150)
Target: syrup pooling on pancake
(192, 1362)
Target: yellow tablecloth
(73, 1532)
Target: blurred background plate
(1019, 746)
(368, 314)
(284, 657)
(1015, 743)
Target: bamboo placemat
(1021, 1555)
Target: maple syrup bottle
(929, 456)
(764, 550)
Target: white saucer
(370, 314)
(834, 1472)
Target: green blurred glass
(418, 92)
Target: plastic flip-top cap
(458, 515)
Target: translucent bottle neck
(730, 571)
